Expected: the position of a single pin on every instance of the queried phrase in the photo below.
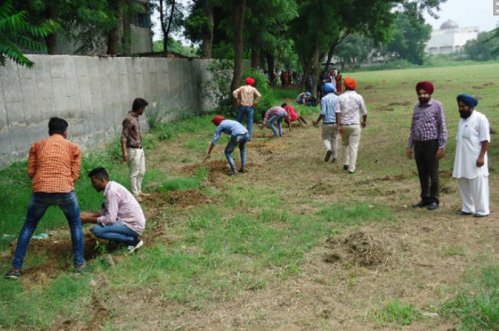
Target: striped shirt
(329, 107)
(351, 105)
(274, 111)
(246, 95)
(428, 123)
(120, 205)
(54, 165)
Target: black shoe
(480, 215)
(420, 204)
(13, 274)
(345, 167)
(432, 206)
(328, 155)
(334, 160)
(463, 213)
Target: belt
(134, 147)
(329, 123)
(349, 124)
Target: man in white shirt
(470, 163)
(121, 218)
(351, 106)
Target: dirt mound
(360, 248)
(185, 199)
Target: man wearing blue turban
(329, 105)
(470, 163)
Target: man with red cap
(427, 138)
(350, 107)
(238, 137)
(247, 98)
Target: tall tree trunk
(271, 67)
(166, 27)
(255, 56)
(51, 42)
(315, 67)
(208, 34)
(238, 8)
(114, 36)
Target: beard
(424, 101)
(464, 114)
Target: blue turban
(329, 87)
(468, 100)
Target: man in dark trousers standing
(427, 138)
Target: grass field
(295, 244)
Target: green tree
(485, 47)
(171, 18)
(355, 49)
(16, 33)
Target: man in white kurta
(470, 163)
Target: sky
(466, 13)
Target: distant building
(450, 38)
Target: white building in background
(450, 38)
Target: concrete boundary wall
(93, 94)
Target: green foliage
(477, 307)
(354, 50)
(185, 183)
(17, 33)
(217, 89)
(354, 213)
(398, 313)
(485, 47)
(176, 46)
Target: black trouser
(427, 163)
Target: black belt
(134, 147)
(329, 123)
(349, 124)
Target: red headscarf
(250, 81)
(350, 83)
(425, 85)
(217, 120)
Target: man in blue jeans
(54, 167)
(247, 97)
(238, 137)
(274, 115)
(121, 218)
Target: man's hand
(409, 153)
(440, 154)
(314, 123)
(480, 161)
(340, 130)
(125, 157)
(364, 124)
(86, 217)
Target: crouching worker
(275, 115)
(121, 218)
(238, 137)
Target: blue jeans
(276, 118)
(248, 111)
(68, 202)
(116, 232)
(239, 140)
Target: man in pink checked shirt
(121, 218)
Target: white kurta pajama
(473, 181)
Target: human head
(424, 91)
(329, 88)
(139, 105)
(284, 105)
(350, 83)
(467, 104)
(217, 120)
(250, 81)
(99, 178)
(58, 125)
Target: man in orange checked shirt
(54, 167)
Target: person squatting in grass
(238, 137)
(351, 106)
(274, 115)
(330, 127)
(471, 161)
(293, 116)
(132, 149)
(247, 97)
(121, 218)
(53, 166)
(428, 137)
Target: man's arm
(208, 153)
(124, 136)
(89, 217)
(76, 164)
(480, 161)
(321, 117)
(258, 97)
(32, 161)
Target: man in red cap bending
(247, 98)
(428, 138)
(238, 137)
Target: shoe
(144, 194)
(133, 248)
(432, 206)
(138, 198)
(13, 274)
(480, 215)
(243, 170)
(463, 213)
(345, 167)
(328, 155)
(420, 204)
(334, 160)
(81, 269)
